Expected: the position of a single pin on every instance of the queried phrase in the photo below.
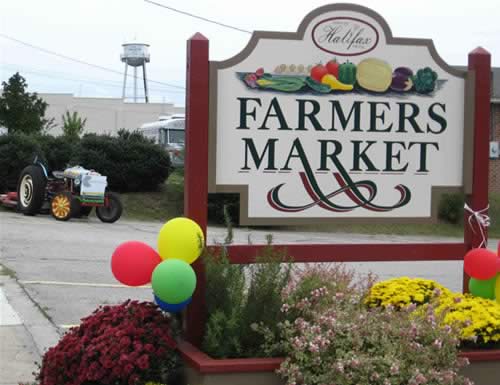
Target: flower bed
(326, 327)
(310, 299)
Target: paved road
(64, 266)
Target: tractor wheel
(62, 206)
(112, 209)
(31, 190)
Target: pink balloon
(481, 263)
(133, 263)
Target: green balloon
(173, 281)
(484, 288)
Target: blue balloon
(172, 308)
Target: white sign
(93, 187)
(369, 133)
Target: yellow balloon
(497, 289)
(181, 238)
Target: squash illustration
(335, 84)
(374, 75)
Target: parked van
(168, 132)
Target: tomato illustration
(333, 68)
(318, 71)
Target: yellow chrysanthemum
(478, 318)
(401, 292)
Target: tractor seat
(58, 174)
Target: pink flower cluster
(331, 337)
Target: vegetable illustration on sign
(402, 79)
(318, 71)
(370, 75)
(333, 67)
(347, 73)
(374, 75)
(425, 80)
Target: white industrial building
(105, 115)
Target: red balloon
(133, 263)
(480, 263)
(498, 258)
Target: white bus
(169, 133)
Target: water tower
(135, 55)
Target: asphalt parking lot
(65, 266)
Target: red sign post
(480, 64)
(196, 172)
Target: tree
(73, 125)
(21, 111)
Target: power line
(68, 76)
(96, 82)
(78, 60)
(196, 16)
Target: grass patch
(432, 229)
(161, 205)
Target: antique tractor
(69, 193)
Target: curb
(43, 332)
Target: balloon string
(483, 221)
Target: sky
(94, 31)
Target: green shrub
(134, 136)
(238, 299)
(17, 150)
(131, 163)
(218, 203)
(451, 208)
(58, 151)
